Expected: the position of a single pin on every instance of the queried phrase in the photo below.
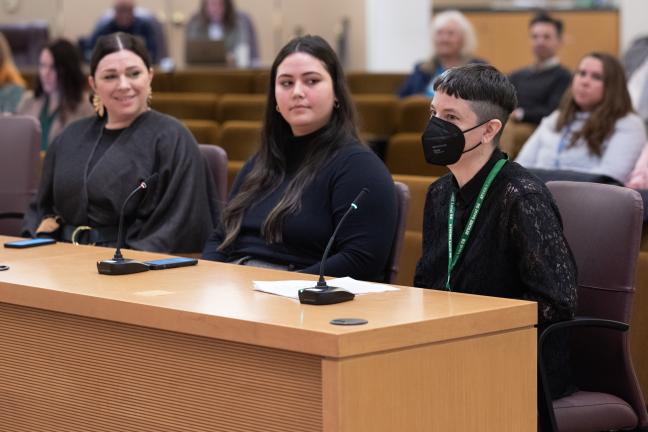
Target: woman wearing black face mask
(505, 232)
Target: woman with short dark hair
(489, 226)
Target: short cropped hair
(543, 17)
(488, 91)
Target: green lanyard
(452, 259)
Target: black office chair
(216, 159)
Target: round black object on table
(348, 321)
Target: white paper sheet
(290, 288)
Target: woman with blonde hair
(454, 44)
(12, 85)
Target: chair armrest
(581, 322)
(544, 396)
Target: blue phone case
(27, 243)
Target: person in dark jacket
(489, 226)
(287, 200)
(541, 85)
(96, 162)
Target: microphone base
(324, 295)
(120, 267)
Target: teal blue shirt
(10, 95)
(46, 119)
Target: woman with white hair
(454, 43)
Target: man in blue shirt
(126, 20)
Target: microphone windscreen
(362, 193)
(151, 181)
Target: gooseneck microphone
(322, 293)
(119, 265)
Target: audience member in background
(219, 20)
(288, 198)
(12, 85)
(59, 96)
(636, 64)
(126, 20)
(454, 43)
(540, 86)
(507, 238)
(594, 130)
(98, 161)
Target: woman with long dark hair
(59, 95)
(288, 199)
(594, 130)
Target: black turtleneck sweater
(363, 243)
(539, 90)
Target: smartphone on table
(167, 263)
(27, 243)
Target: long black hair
(269, 168)
(71, 80)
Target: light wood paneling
(195, 349)
(116, 377)
(406, 391)
(504, 42)
(217, 300)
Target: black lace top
(516, 249)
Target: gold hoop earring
(98, 105)
(149, 98)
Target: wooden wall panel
(433, 387)
(504, 42)
(61, 372)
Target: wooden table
(196, 349)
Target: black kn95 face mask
(444, 143)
